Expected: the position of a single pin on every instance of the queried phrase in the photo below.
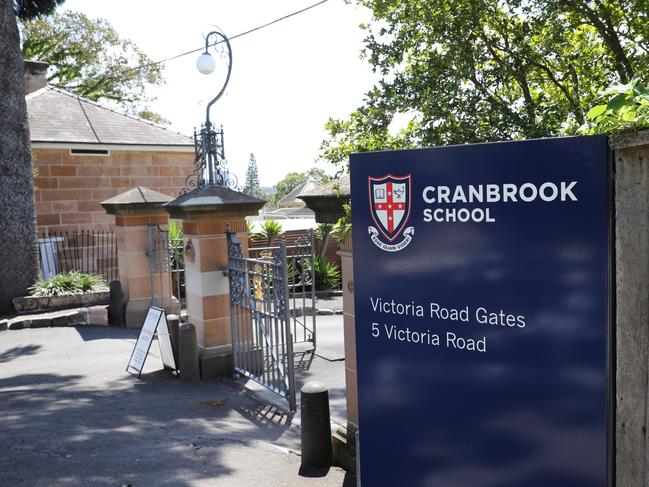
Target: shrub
(73, 282)
(327, 274)
(626, 109)
(269, 230)
(175, 233)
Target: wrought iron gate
(262, 335)
(157, 252)
(301, 303)
(166, 267)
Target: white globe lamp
(205, 63)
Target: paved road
(71, 416)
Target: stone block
(64, 301)
(97, 315)
(63, 171)
(213, 366)
(95, 298)
(344, 449)
(40, 323)
(136, 310)
(19, 325)
(25, 304)
(59, 321)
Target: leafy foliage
(89, 58)
(465, 71)
(323, 230)
(327, 274)
(626, 109)
(250, 228)
(293, 179)
(67, 283)
(176, 233)
(270, 229)
(344, 223)
(30, 9)
(154, 117)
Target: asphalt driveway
(71, 416)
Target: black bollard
(316, 426)
(173, 322)
(116, 306)
(188, 352)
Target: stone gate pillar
(134, 210)
(205, 215)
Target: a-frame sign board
(155, 323)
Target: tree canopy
(464, 71)
(29, 9)
(89, 58)
(293, 179)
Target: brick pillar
(207, 289)
(205, 215)
(134, 210)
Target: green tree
(18, 250)
(252, 186)
(293, 179)
(89, 58)
(468, 71)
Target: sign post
(155, 323)
(483, 321)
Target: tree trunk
(325, 243)
(18, 252)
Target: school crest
(390, 201)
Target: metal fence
(88, 251)
(166, 267)
(262, 343)
(177, 270)
(301, 298)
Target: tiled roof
(336, 188)
(56, 115)
(291, 198)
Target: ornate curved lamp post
(209, 155)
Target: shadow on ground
(15, 352)
(77, 418)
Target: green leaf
(642, 90)
(596, 111)
(629, 115)
(619, 101)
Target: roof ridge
(90, 102)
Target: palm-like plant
(269, 230)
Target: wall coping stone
(627, 141)
(30, 304)
(136, 201)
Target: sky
(287, 79)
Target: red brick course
(69, 188)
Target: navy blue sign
(482, 314)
